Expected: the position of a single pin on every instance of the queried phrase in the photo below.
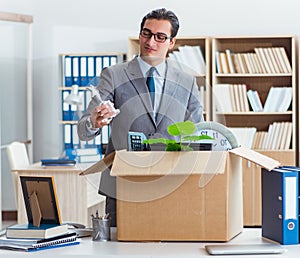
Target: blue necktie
(151, 85)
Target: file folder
(68, 71)
(113, 60)
(75, 70)
(66, 115)
(91, 68)
(280, 205)
(106, 61)
(99, 66)
(84, 80)
(75, 138)
(67, 136)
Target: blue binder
(280, 205)
(98, 66)
(66, 112)
(68, 71)
(76, 70)
(84, 80)
(91, 68)
(68, 144)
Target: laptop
(238, 249)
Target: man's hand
(103, 114)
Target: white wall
(65, 26)
(13, 54)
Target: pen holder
(101, 229)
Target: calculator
(135, 141)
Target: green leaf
(181, 128)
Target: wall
(13, 54)
(64, 26)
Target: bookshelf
(202, 74)
(78, 71)
(261, 82)
(254, 76)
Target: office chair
(18, 158)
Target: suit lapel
(137, 80)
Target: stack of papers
(29, 245)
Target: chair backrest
(18, 158)
(17, 155)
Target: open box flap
(212, 162)
(159, 163)
(255, 157)
(100, 166)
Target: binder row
(81, 70)
(72, 141)
(280, 205)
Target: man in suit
(125, 85)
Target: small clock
(224, 139)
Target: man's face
(151, 51)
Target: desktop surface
(113, 248)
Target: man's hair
(163, 14)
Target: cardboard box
(180, 196)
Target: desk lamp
(74, 99)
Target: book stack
(270, 60)
(278, 137)
(88, 155)
(30, 243)
(234, 98)
(231, 98)
(44, 228)
(189, 59)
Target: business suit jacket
(126, 87)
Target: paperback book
(28, 231)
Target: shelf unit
(81, 69)
(261, 82)
(203, 79)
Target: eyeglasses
(158, 37)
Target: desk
(77, 195)
(155, 249)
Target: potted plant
(187, 140)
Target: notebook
(229, 249)
(38, 244)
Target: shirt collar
(160, 68)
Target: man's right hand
(103, 114)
